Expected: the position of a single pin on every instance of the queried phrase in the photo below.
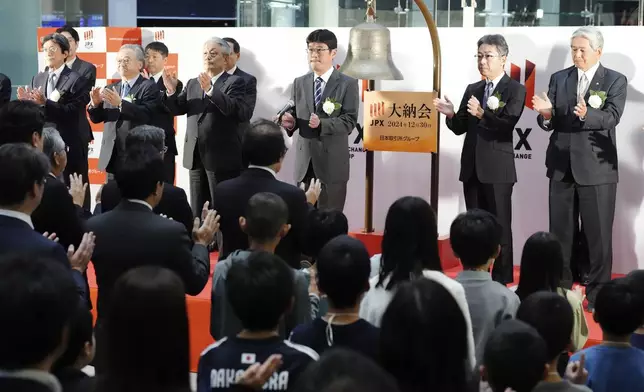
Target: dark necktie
(487, 93)
(318, 91)
(126, 90)
(51, 84)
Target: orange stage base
(199, 306)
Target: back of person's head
(80, 345)
(21, 122)
(37, 300)
(475, 236)
(341, 370)
(324, 225)
(635, 279)
(266, 218)
(515, 357)
(22, 174)
(146, 332)
(617, 308)
(343, 269)
(409, 242)
(140, 173)
(541, 264)
(263, 144)
(423, 339)
(260, 290)
(551, 315)
(146, 134)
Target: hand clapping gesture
(79, 258)
(204, 232)
(444, 106)
(543, 105)
(77, 189)
(313, 193)
(170, 81)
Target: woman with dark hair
(422, 340)
(409, 252)
(146, 334)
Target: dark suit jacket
(130, 236)
(67, 114)
(174, 203)
(164, 119)
(119, 122)
(5, 89)
(88, 71)
(213, 122)
(250, 97)
(231, 199)
(488, 150)
(586, 147)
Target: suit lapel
(62, 80)
(597, 82)
(160, 84)
(501, 86)
(76, 65)
(479, 90)
(308, 92)
(571, 87)
(137, 86)
(332, 84)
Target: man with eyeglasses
(325, 113)
(488, 112)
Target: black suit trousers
(169, 167)
(203, 183)
(496, 199)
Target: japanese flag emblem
(248, 359)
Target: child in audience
(343, 275)
(476, 236)
(636, 280)
(615, 365)
(265, 222)
(552, 316)
(260, 291)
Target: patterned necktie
(51, 84)
(126, 90)
(318, 91)
(487, 93)
(582, 87)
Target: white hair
(592, 34)
(52, 142)
(138, 51)
(225, 47)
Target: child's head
(515, 357)
(635, 279)
(265, 219)
(343, 269)
(475, 236)
(556, 327)
(80, 345)
(324, 225)
(260, 290)
(617, 309)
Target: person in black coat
(488, 112)
(5, 89)
(250, 94)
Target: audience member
(516, 357)
(260, 291)
(265, 224)
(147, 341)
(22, 122)
(423, 340)
(552, 316)
(615, 365)
(343, 275)
(37, 302)
(5, 89)
(636, 281)
(475, 237)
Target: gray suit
(326, 148)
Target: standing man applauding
(250, 94)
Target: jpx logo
(377, 109)
(159, 35)
(88, 36)
(528, 80)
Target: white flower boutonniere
(55, 95)
(596, 99)
(129, 98)
(329, 106)
(494, 102)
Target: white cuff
(209, 93)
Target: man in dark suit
(212, 101)
(264, 149)
(250, 95)
(174, 202)
(156, 59)
(583, 106)
(123, 105)
(5, 89)
(487, 115)
(322, 149)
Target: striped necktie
(51, 84)
(318, 91)
(487, 93)
(126, 90)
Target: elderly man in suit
(212, 101)
(250, 96)
(322, 149)
(488, 112)
(123, 105)
(5, 89)
(582, 108)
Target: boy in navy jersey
(260, 291)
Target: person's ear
(498, 252)
(483, 373)
(242, 224)
(284, 231)
(595, 317)
(546, 371)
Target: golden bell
(369, 54)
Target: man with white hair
(123, 105)
(582, 108)
(212, 100)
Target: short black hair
(263, 144)
(260, 290)
(324, 225)
(19, 120)
(475, 236)
(37, 300)
(541, 264)
(58, 39)
(158, 47)
(234, 44)
(636, 280)
(617, 308)
(343, 268)
(494, 40)
(323, 36)
(69, 29)
(266, 214)
(81, 331)
(21, 166)
(556, 327)
(515, 357)
(139, 172)
(146, 134)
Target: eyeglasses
(487, 56)
(123, 61)
(51, 49)
(316, 50)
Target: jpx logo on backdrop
(159, 35)
(89, 39)
(523, 150)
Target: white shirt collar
(214, 78)
(57, 72)
(495, 81)
(71, 62)
(268, 169)
(142, 202)
(40, 376)
(157, 76)
(325, 76)
(590, 74)
(17, 215)
(232, 70)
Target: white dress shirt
(212, 82)
(495, 81)
(17, 215)
(325, 79)
(590, 74)
(57, 72)
(268, 169)
(71, 62)
(157, 76)
(142, 202)
(232, 70)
